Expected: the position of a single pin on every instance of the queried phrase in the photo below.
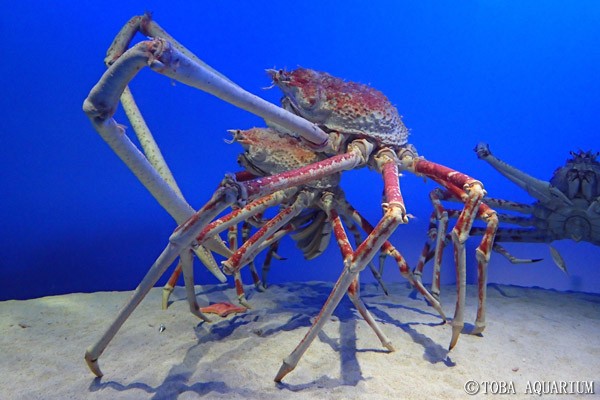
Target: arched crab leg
(178, 209)
(471, 192)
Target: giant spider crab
(348, 125)
(567, 207)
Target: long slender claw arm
(537, 188)
(164, 57)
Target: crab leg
(393, 216)
(272, 253)
(156, 159)
(207, 260)
(193, 229)
(514, 260)
(357, 240)
(253, 245)
(388, 249)
(186, 260)
(202, 252)
(179, 242)
(255, 278)
(249, 249)
(354, 288)
(471, 193)
(437, 234)
(153, 174)
(237, 276)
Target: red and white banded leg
(394, 214)
(471, 192)
(387, 249)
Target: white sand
(532, 335)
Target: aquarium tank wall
(519, 76)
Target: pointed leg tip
(456, 330)
(166, 295)
(283, 371)
(260, 287)
(452, 344)
(478, 329)
(93, 365)
(442, 315)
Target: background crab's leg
(393, 216)
(509, 205)
(537, 188)
(514, 260)
(437, 235)
(471, 192)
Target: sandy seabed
(533, 335)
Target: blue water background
(520, 75)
